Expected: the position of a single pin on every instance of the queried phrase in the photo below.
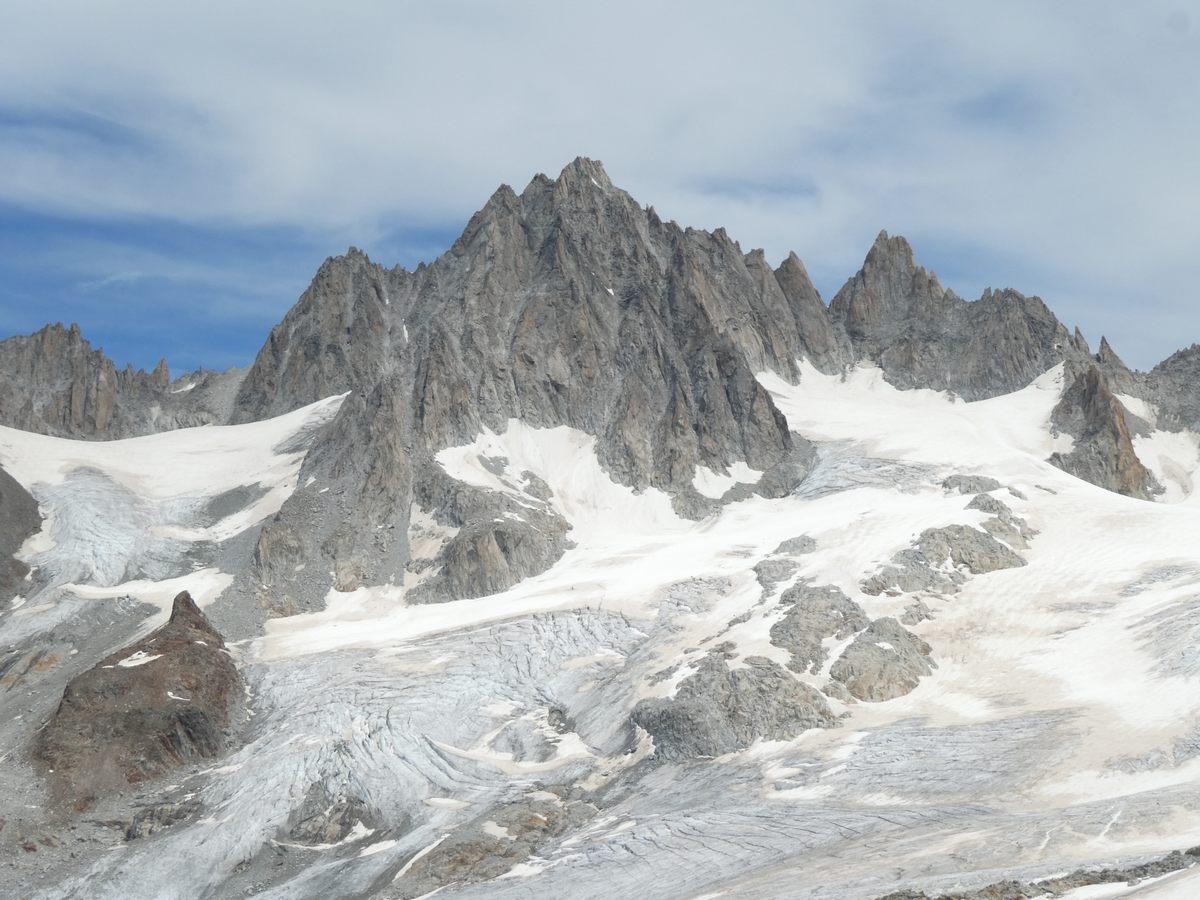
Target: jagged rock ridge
(898, 315)
(568, 304)
(54, 382)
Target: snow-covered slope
(517, 744)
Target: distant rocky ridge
(898, 315)
(419, 767)
(570, 304)
(1172, 385)
(54, 382)
(1064, 885)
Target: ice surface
(1059, 728)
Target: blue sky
(171, 178)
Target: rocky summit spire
(826, 346)
(566, 304)
(1107, 356)
(883, 293)
(898, 316)
(1116, 373)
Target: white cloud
(1055, 139)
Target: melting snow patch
(417, 856)
(445, 803)
(565, 458)
(496, 830)
(715, 485)
(377, 847)
(527, 869)
(138, 659)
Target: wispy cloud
(196, 156)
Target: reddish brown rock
(172, 698)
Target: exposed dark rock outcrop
(1103, 451)
(884, 662)
(54, 382)
(173, 697)
(971, 484)
(490, 846)
(814, 613)
(160, 816)
(1064, 884)
(1003, 523)
(327, 816)
(718, 710)
(19, 518)
(941, 559)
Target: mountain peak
(894, 252)
(582, 169)
(1107, 354)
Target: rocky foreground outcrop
(172, 698)
(718, 710)
(19, 518)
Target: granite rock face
(173, 697)
(567, 304)
(1103, 452)
(54, 382)
(1172, 386)
(826, 346)
(19, 518)
(921, 335)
